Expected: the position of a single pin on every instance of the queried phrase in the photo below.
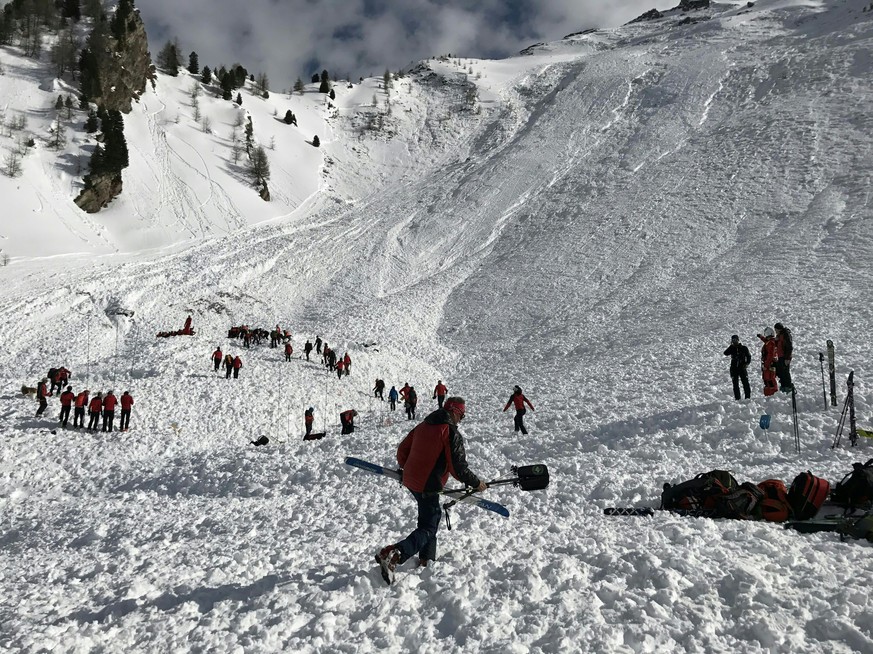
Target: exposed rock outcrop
(124, 65)
(99, 192)
(651, 14)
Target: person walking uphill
(228, 365)
(289, 350)
(392, 398)
(217, 356)
(428, 454)
(439, 393)
(519, 400)
(768, 361)
(784, 349)
(237, 364)
(740, 360)
(308, 419)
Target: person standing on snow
(740, 360)
(94, 409)
(347, 420)
(289, 350)
(519, 400)
(188, 330)
(228, 365)
(307, 349)
(67, 398)
(439, 393)
(318, 344)
(379, 389)
(428, 454)
(109, 403)
(217, 356)
(237, 364)
(308, 419)
(784, 349)
(768, 361)
(126, 405)
(347, 363)
(392, 398)
(79, 413)
(410, 403)
(340, 365)
(41, 393)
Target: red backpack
(807, 494)
(775, 505)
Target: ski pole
(824, 395)
(794, 410)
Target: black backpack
(700, 493)
(856, 488)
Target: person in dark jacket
(392, 398)
(784, 349)
(379, 389)
(519, 400)
(308, 419)
(411, 403)
(318, 344)
(431, 452)
(126, 405)
(67, 398)
(307, 349)
(740, 360)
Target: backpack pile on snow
(702, 493)
(856, 488)
(775, 504)
(807, 494)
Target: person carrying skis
(784, 348)
(217, 356)
(308, 419)
(289, 350)
(428, 454)
(379, 388)
(519, 400)
(392, 398)
(126, 405)
(307, 349)
(79, 413)
(109, 403)
(95, 407)
(228, 365)
(347, 420)
(67, 398)
(740, 359)
(768, 361)
(237, 364)
(439, 393)
(41, 393)
(410, 403)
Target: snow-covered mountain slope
(593, 226)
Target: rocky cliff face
(124, 66)
(101, 190)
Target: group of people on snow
(776, 350)
(232, 364)
(99, 407)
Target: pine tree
(193, 63)
(298, 86)
(324, 87)
(168, 58)
(206, 75)
(239, 99)
(68, 105)
(59, 103)
(71, 9)
(92, 124)
(290, 118)
(118, 24)
(259, 166)
(316, 141)
(332, 94)
(386, 79)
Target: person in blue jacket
(392, 398)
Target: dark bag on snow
(856, 488)
(807, 494)
(775, 505)
(740, 504)
(700, 493)
(535, 477)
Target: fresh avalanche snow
(593, 227)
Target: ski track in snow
(595, 236)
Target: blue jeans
(423, 540)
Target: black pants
(423, 540)
(308, 428)
(65, 414)
(440, 399)
(348, 427)
(42, 406)
(79, 417)
(227, 371)
(217, 364)
(94, 420)
(108, 419)
(236, 373)
(392, 404)
(783, 372)
(410, 411)
(519, 420)
(287, 357)
(736, 377)
(55, 384)
(307, 354)
(125, 419)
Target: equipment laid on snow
(807, 494)
(824, 395)
(833, 372)
(794, 413)
(856, 488)
(315, 437)
(848, 406)
(263, 440)
(764, 422)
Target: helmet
(768, 332)
(311, 409)
(517, 389)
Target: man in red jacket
(439, 393)
(41, 393)
(428, 455)
(67, 398)
(289, 350)
(519, 400)
(237, 364)
(347, 420)
(217, 356)
(126, 405)
(94, 409)
(109, 403)
(80, 404)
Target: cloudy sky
(291, 38)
